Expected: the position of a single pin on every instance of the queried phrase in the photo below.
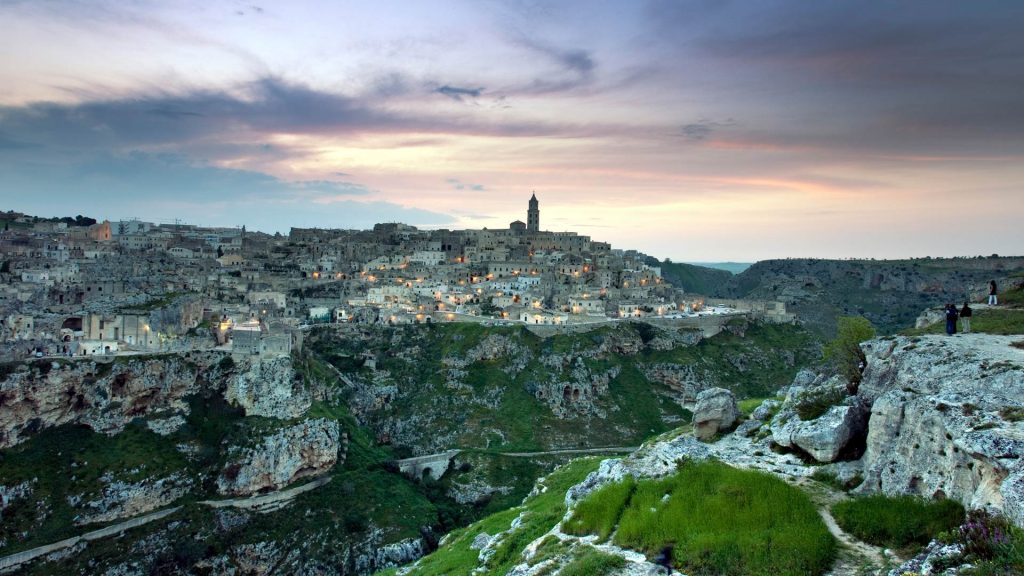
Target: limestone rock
(749, 428)
(684, 380)
(936, 558)
(269, 387)
(714, 412)
(104, 397)
(480, 541)
(944, 419)
(306, 449)
(826, 435)
(121, 499)
(763, 412)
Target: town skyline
(694, 131)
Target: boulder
(833, 418)
(764, 412)
(715, 412)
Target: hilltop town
(77, 287)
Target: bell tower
(533, 215)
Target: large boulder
(947, 419)
(819, 418)
(715, 412)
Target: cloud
(702, 129)
(460, 185)
(457, 94)
(574, 68)
(253, 111)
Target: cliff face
(268, 388)
(102, 396)
(946, 418)
(305, 449)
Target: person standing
(993, 299)
(951, 316)
(965, 317)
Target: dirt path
(856, 557)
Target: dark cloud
(702, 129)
(574, 68)
(456, 93)
(266, 106)
(909, 77)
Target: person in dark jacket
(993, 299)
(965, 317)
(951, 316)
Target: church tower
(533, 215)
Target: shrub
(844, 351)
(710, 518)
(897, 522)
(815, 402)
(993, 544)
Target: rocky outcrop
(714, 413)
(577, 394)
(104, 397)
(946, 419)
(122, 499)
(684, 380)
(305, 449)
(269, 387)
(819, 418)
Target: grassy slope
(540, 513)
(716, 520)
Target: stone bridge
(434, 465)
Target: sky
(705, 130)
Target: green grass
(897, 522)
(593, 562)
(719, 520)
(540, 513)
(600, 512)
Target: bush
(897, 522)
(714, 519)
(815, 402)
(844, 351)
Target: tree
(487, 308)
(844, 352)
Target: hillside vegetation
(506, 389)
(693, 278)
